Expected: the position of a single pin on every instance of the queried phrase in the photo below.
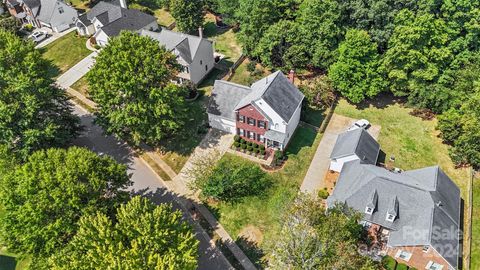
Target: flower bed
(250, 148)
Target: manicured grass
(163, 17)
(389, 263)
(475, 252)
(264, 213)
(413, 142)
(244, 77)
(79, 4)
(177, 150)
(225, 40)
(81, 86)
(66, 51)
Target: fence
(467, 242)
(171, 26)
(231, 70)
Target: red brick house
(267, 112)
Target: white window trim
(431, 265)
(388, 217)
(404, 255)
(368, 210)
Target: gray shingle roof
(225, 96)
(428, 203)
(32, 3)
(278, 92)
(115, 18)
(186, 45)
(358, 142)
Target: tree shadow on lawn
(381, 101)
(210, 30)
(7, 262)
(253, 251)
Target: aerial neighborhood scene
(240, 134)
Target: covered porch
(274, 140)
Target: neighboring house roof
(278, 92)
(31, 3)
(428, 204)
(47, 11)
(225, 96)
(186, 45)
(115, 18)
(356, 142)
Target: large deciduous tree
(132, 84)
(142, 236)
(34, 114)
(356, 73)
(45, 197)
(314, 239)
(188, 14)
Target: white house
(108, 19)
(267, 112)
(194, 54)
(357, 144)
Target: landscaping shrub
(242, 141)
(251, 66)
(236, 144)
(249, 148)
(255, 150)
(262, 151)
(244, 146)
(249, 143)
(28, 27)
(323, 193)
(262, 147)
(255, 146)
(402, 266)
(278, 157)
(236, 138)
(389, 263)
(232, 181)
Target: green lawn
(81, 86)
(475, 253)
(225, 40)
(163, 17)
(262, 215)
(66, 51)
(79, 4)
(413, 142)
(244, 77)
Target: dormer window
(60, 10)
(368, 210)
(371, 203)
(392, 211)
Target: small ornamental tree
(45, 197)
(188, 14)
(319, 93)
(34, 114)
(131, 83)
(141, 236)
(227, 180)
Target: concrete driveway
(145, 182)
(53, 36)
(313, 180)
(77, 71)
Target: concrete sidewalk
(76, 72)
(314, 179)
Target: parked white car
(362, 123)
(38, 36)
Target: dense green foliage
(314, 239)
(319, 93)
(142, 236)
(426, 51)
(9, 23)
(132, 84)
(356, 74)
(225, 181)
(46, 196)
(34, 114)
(188, 14)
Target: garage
(221, 123)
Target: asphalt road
(145, 182)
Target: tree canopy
(141, 236)
(356, 74)
(314, 239)
(45, 197)
(34, 114)
(188, 14)
(131, 82)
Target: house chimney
(200, 32)
(123, 3)
(291, 76)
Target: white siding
(221, 123)
(277, 122)
(205, 56)
(292, 125)
(337, 165)
(62, 21)
(101, 38)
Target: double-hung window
(241, 118)
(261, 124)
(251, 135)
(251, 121)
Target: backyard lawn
(244, 77)
(225, 40)
(66, 51)
(475, 253)
(163, 16)
(260, 217)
